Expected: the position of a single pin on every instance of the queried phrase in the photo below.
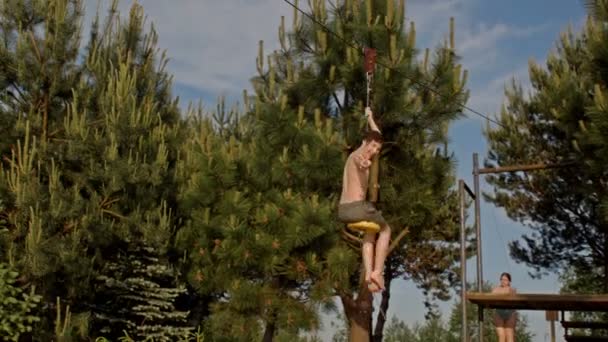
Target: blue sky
(213, 45)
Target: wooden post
(463, 262)
(373, 185)
(551, 316)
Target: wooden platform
(574, 338)
(584, 325)
(528, 301)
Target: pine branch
(19, 99)
(398, 239)
(386, 295)
(111, 213)
(337, 101)
(35, 46)
(107, 202)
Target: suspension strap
(370, 66)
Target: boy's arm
(360, 161)
(370, 120)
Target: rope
(369, 77)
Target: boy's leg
(382, 244)
(368, 254)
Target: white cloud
(478, 43)
(484, 36)
(212, 44)
(481, 48)
(488, 97)
(432, 16)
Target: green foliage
(189, 337)
(522, 332)
(17, 309)
(38, 64)
(286, 337)
(3, 223)
(258, 189)
(317, 75)
(100, 178)
(584, 283)
(260, 241)
(563, 120)
(415, 169)
(136, 294)
(94, 139)
(68, 326)
(432, 331)
(438, 330)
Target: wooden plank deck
(584, 325)
(530, 301)
(574, 338)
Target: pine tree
(433, 330)
(257, 239)
(592, 136)
(316, 72)
(573, 282)
(133, 180)
(562, 121)
(134, 299)
(90, 177)
(397, 330)
(40, 41)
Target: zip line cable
(504, 245)
(421, 84)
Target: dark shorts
(505, 318)
(360, 211)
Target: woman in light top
(505, 319)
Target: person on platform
(505, 319)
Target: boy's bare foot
(377, 279)
(372, 287)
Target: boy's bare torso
(355, 179)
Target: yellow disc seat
(366, 226)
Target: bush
(16, 307)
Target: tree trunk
(605, 261)
(373, 179)
(270, 329)
(197, 305)
(359, 314)
(386, 296)
(358, 332)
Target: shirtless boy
(353, 206)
